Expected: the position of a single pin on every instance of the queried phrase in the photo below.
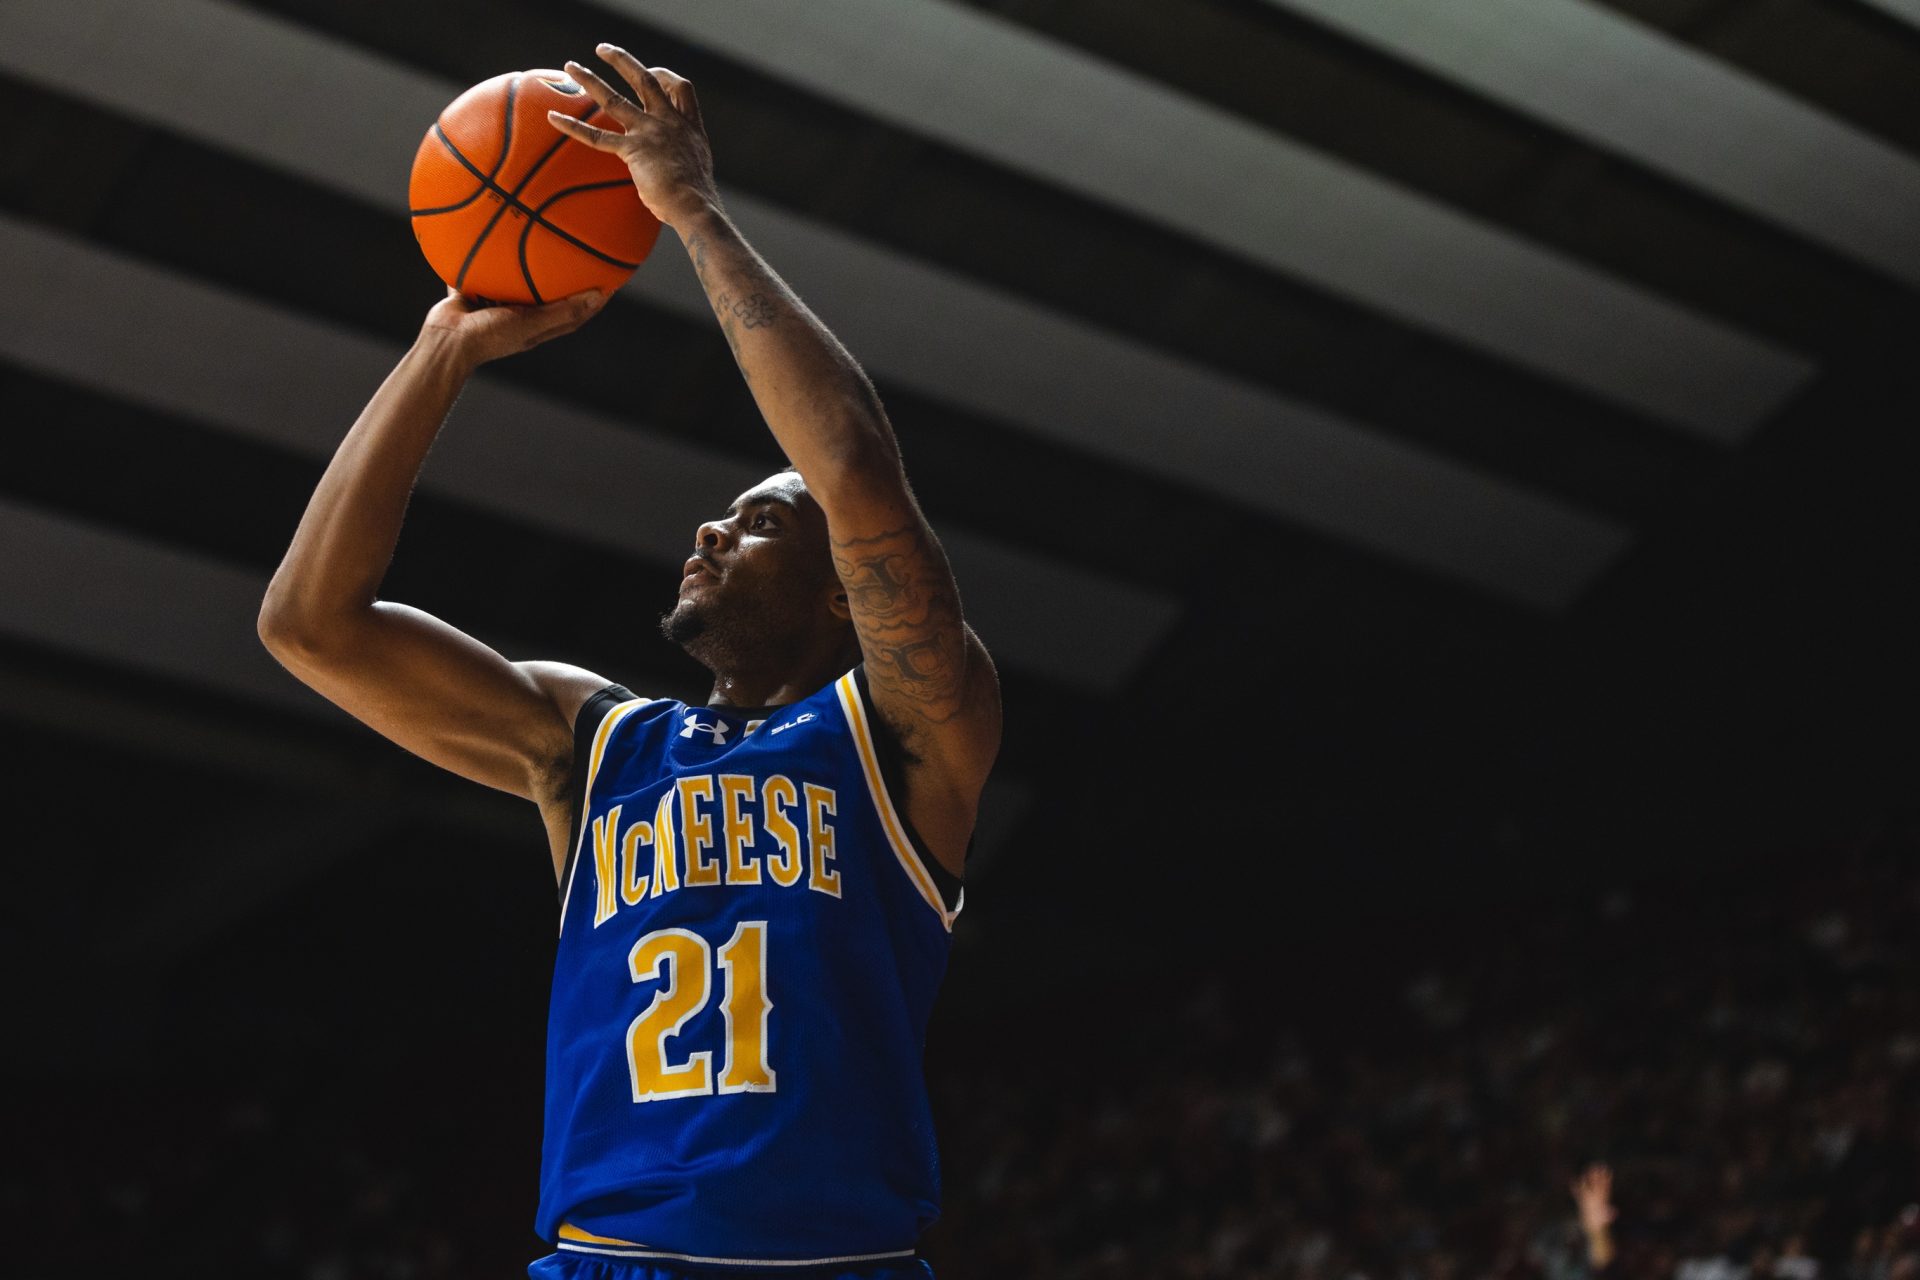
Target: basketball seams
(506, 137)
(535, 220)
(478, 191)
(486, 179)
(489, 265)
(508, 199)
(513, 202)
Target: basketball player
(756, 894)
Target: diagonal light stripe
(1136, 405)
(114, 597)
(980, 82)
(999, 355)
(1637, 91)
(1908, 10)
(180, 346)
(83, 707)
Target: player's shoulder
(575, 693)
(567, 687)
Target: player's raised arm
(429, 687)
(929, 673)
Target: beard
(683, 623)
(732, 631)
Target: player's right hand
(484, 332)
(661, 137)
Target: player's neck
(776, 687)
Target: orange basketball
(508, 209)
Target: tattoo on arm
(901, 594)
(755, 312)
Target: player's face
(760, 578)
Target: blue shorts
(587, 1266)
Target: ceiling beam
(985, 84)
(238, 734)
(1640, 93)
(1905, 10)
(999, 355)
(119, 599)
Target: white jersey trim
(615, 714)
(848, 690)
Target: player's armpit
(568, 687)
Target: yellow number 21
(688, 961)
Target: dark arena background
(1437, 477)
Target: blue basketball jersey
(750, 942)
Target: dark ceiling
(1392, 450)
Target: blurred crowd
(1718, 1084)
(1710, 1083)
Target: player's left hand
(663, 141)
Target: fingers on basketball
(529, 326)
(611, 100)
(645, 86)
(503, 211)
(593, 136)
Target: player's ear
(838, 606)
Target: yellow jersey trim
(615, 714)
(903, 850)
(574, 1240)
(570, 1232)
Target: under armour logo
(695, 725)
